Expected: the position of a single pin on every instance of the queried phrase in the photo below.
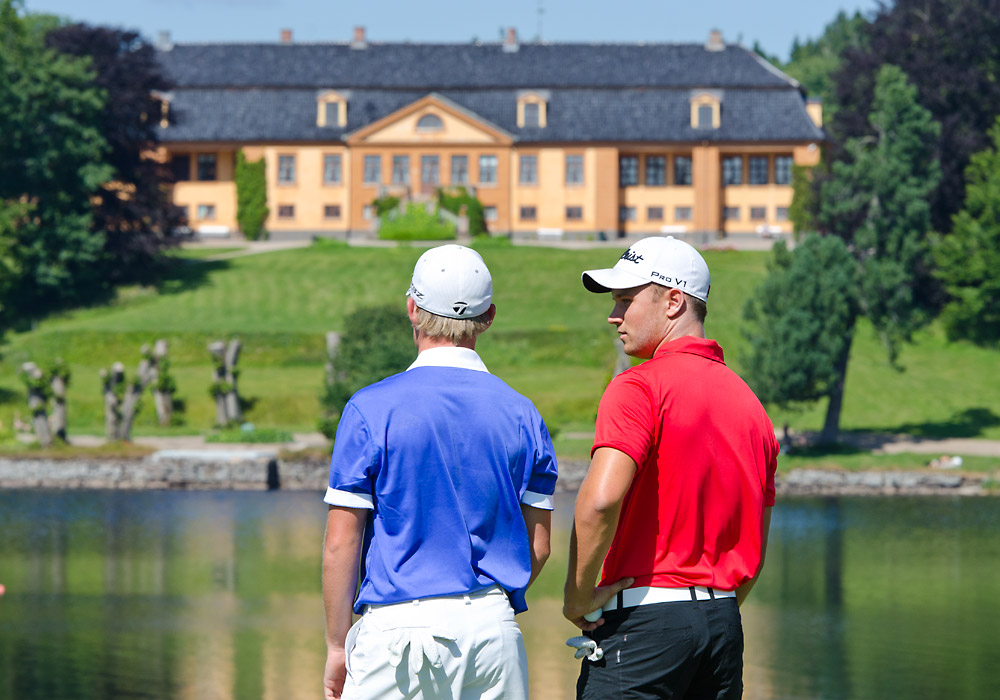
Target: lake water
(216, 595)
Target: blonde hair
(456, 330)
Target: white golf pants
(448, 648)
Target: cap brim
(601, 281)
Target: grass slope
(550, 341)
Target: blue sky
(774, 23)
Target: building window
(430, 122)
(781, 214)
(401, 170)
(206, 166)
(531, 115)
(373, 170)
(180, 168)
(528, 213)
(332, 113)
(682, 170)
(574, 170)
(706, 117)
(758, 213)
(430, 171)
(730, 213)
(206, 211)
(682, 213)
(628, 171)
(331, 211)
(367, 212)
(459, 170)
(574, 213)
(331, 169)
(286, 169)
(732, 170)
(528, 171)
(783, 170)
(286, 211)
(656, 171)
(490, 213)
(758, 170)
(654, 214)
(487, 170)
(626, 214)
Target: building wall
(306, 204)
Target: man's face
(640, 317)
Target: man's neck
(424, 342)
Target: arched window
(430, 122)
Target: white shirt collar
(462, 358)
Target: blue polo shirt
(443, 455)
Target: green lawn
(550, 341)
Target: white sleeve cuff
(537, 500)
(347, 499)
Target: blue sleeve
(544, 470)
(355, 461)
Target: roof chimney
(163, 42)
(510, 41)
(359, 41)
(286, 36)
(715, 42)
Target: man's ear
(411, 310)
(676, 302)
(491, 313)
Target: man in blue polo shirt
(441, 486)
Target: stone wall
(262, 470)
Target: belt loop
(694, 593)
(621, 600)
(711, 593)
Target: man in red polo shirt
(677, 501)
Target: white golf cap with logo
(452, 281)
(664, 261)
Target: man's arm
(539, 524)
(743, 591)
(594, 523)
(345, 528)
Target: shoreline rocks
(261, 470)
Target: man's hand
(581, 602)
(335, 674)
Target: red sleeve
(772, 465)
(625, 418)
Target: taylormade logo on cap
(452, 281)
(664, 261)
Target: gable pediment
(433, 119)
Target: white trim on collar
(462, 358)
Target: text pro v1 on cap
(452, 281)
(664, 261)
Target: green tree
(881, 192)
(800, 321)
(51, 165)
(251, 196)
(968, 260)
(376, 343)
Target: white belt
(648, 595)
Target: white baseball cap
(664, 261)
(453, 281)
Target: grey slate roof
(620, 93)
(450, 66)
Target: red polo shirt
(706, 456)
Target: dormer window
(164, 99)
(706, 109)
(430, 122)
(532, 110)
(331, 109)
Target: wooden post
(218, 350)
(110, 381)
(36, 402)
(233, 412)
(58, 382)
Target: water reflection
(216, 595)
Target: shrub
(376, 342)
(251, 197)
(454, 199)
(416, 224)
